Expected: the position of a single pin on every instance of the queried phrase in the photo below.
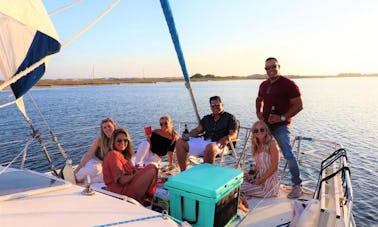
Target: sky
(218, 37)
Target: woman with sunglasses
(120, 175)
(265, 181)
(91, 163)
(161, 143)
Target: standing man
(278, 100)
(219, 128)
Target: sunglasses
(122, 140)
(163, 123)
(270, 67)
(258, 129)
(215, 105)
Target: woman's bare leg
(143, 179)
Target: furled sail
(27, 39)
(176, 42)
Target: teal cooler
(205, 195)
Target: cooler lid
(206, 180)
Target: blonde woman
(91, 163)
(265, 181)
(161, 143)
(120, 175)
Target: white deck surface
(67, 206)
(270, 211)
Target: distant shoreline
(195, 78)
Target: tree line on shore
(194, 78)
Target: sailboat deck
(68, 206)
(274, 211)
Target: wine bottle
(186, 133)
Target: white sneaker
(296, 192)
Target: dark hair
(216, 97)
(271, 58)
(129, 151)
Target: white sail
(27, 37)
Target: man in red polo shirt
(278, 100)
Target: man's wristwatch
(283, 118)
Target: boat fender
(306, 213)
(67, 172)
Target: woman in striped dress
(265, 181)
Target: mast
(172, 30)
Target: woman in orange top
(120, 175)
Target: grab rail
(337, 164)
(339, 160)
(335, 156)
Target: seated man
(218, 128)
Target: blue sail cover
(26, 36)
(172, 29)
(42, 45)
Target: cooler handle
(182, 211)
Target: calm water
(337, 109)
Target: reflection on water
(342, 109)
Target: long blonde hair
(255, 142)
(105, 143)
(129, 150)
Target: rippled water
(340, 109)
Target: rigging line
(39, 111)
(53, 136)
(37, 135)
(40, 156)
(132, 220)
(241, 162)
(8, 104)
(77, 130)
(69, 41)
(13, 141)
(16, 77)
(14, 160)
(6, 97)
(58, 10)
(176, 42)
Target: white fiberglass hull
(67, 206)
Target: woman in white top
(91, 163)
